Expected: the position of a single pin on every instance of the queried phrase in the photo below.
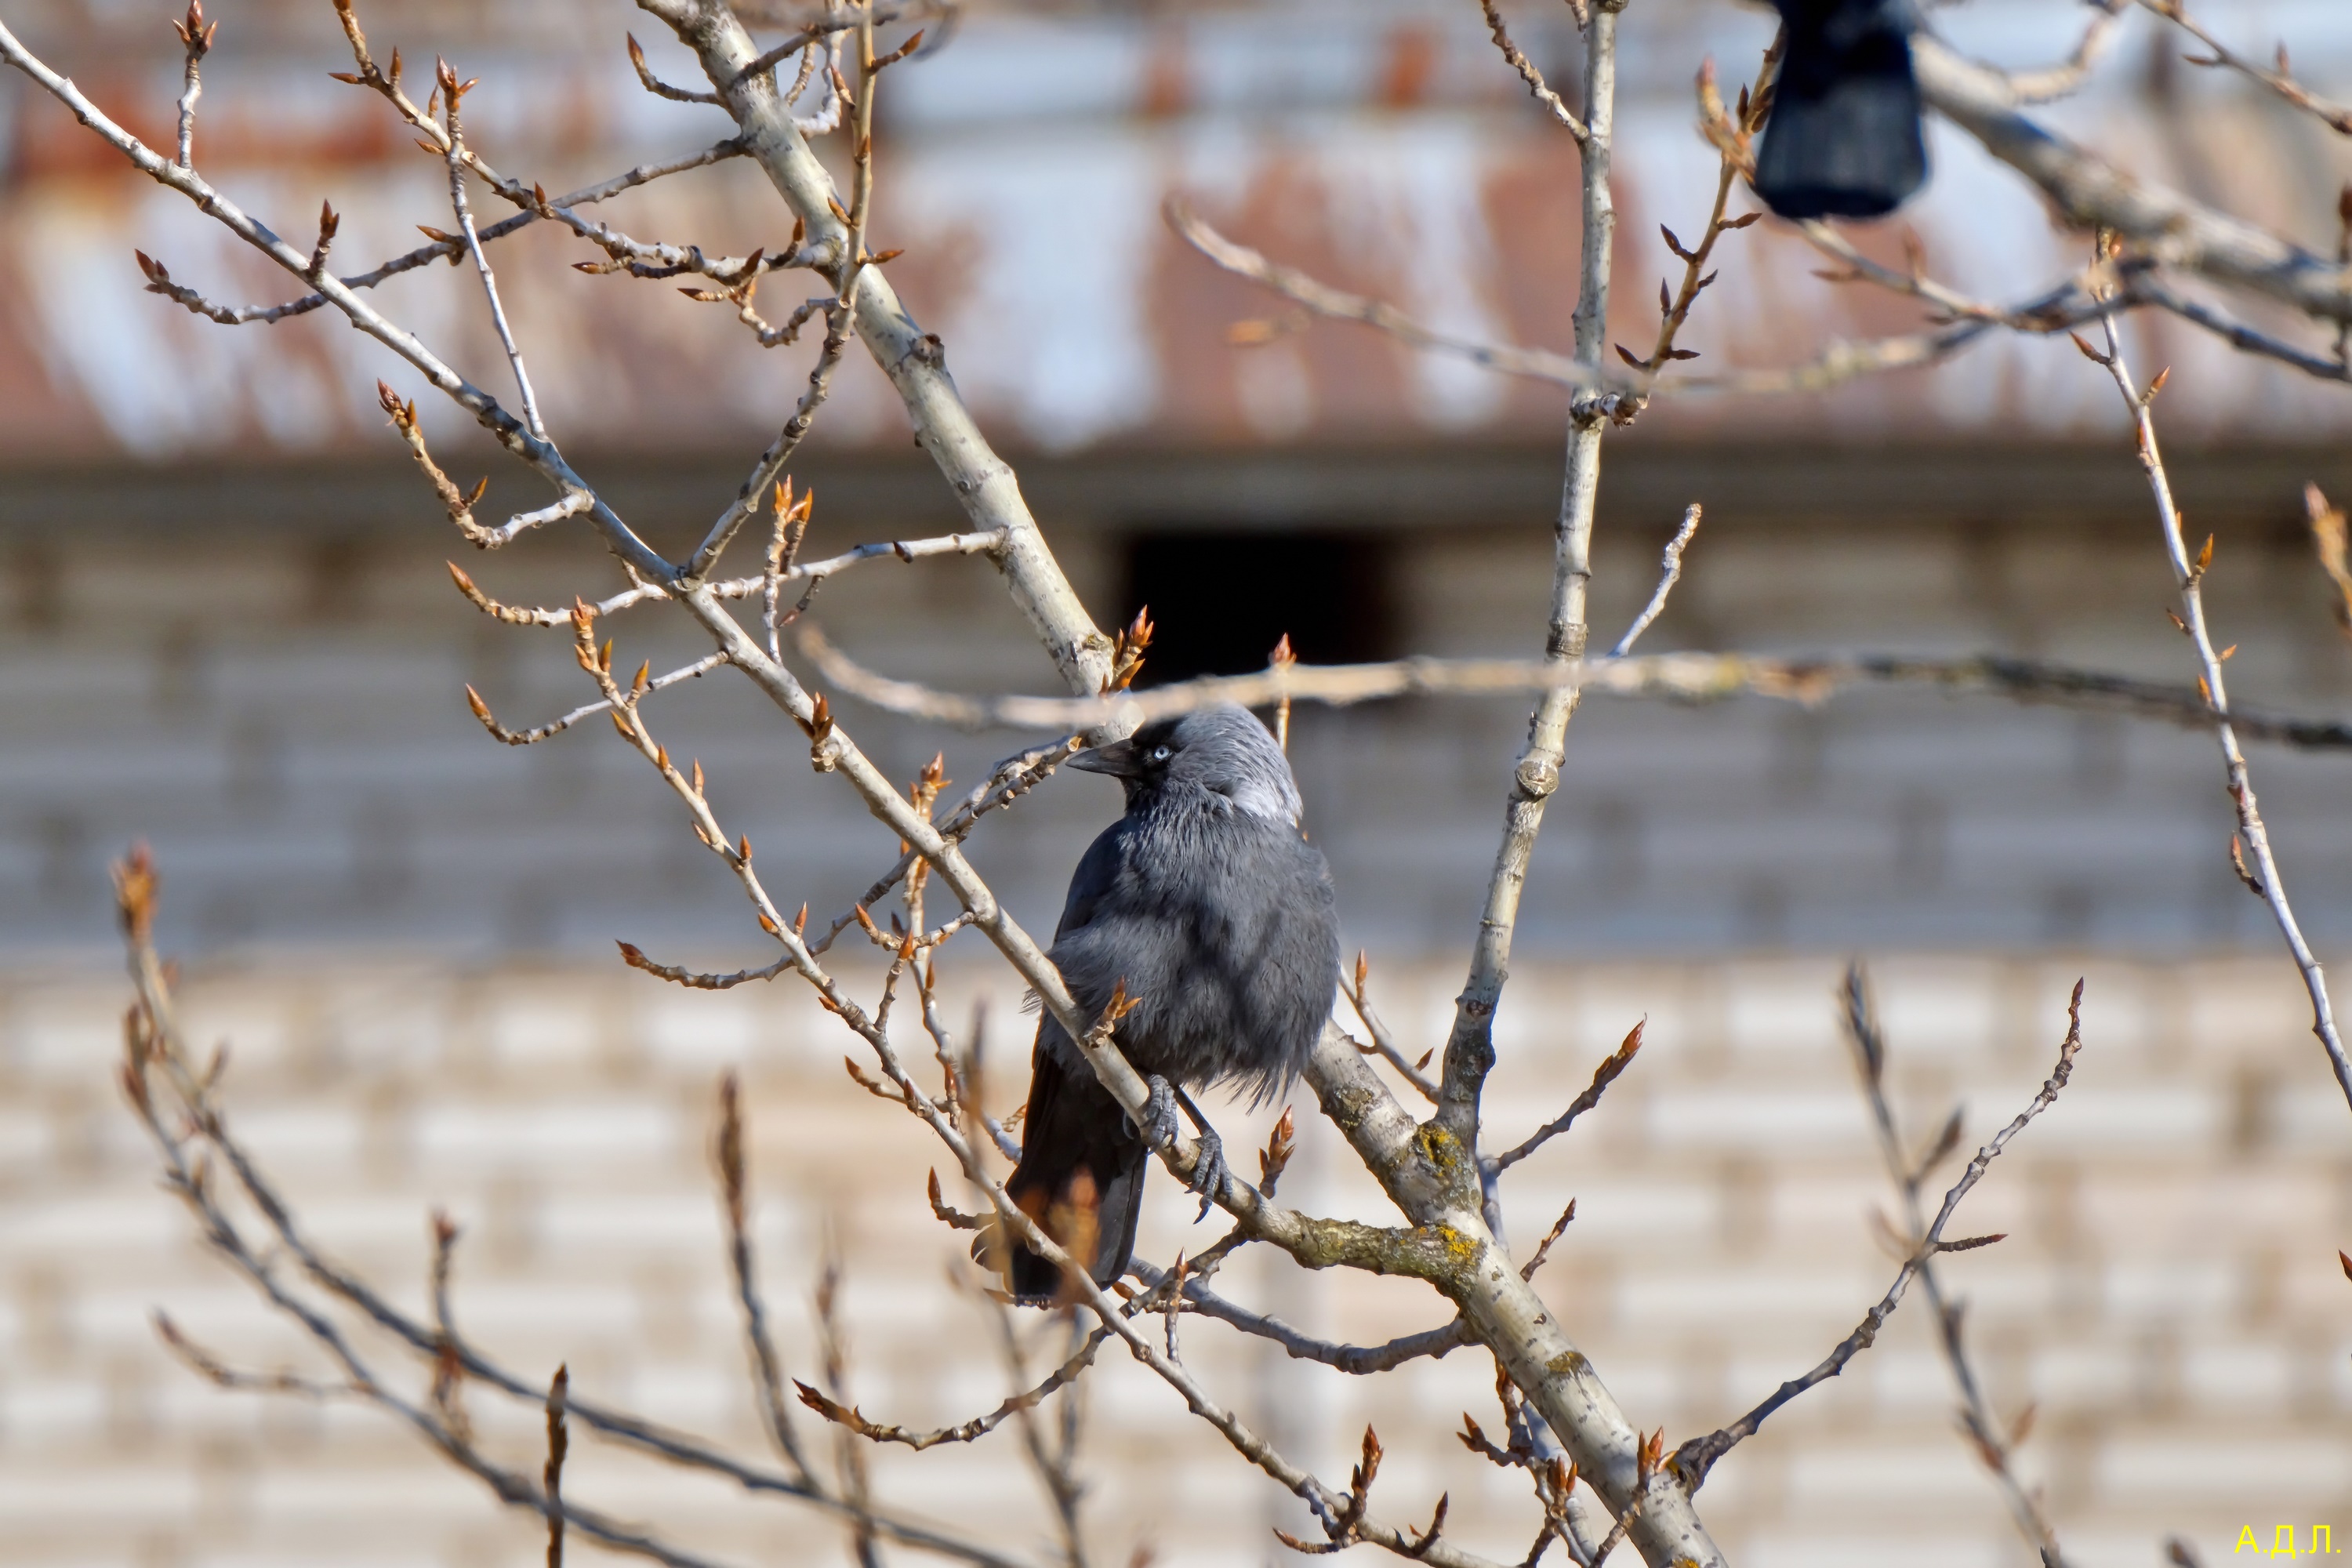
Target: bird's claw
(1160, 1127)
(1208, 1173)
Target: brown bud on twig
(952, 1218)
(1119, 1006)
(864, 1080)
(195, 36)
(901, 52)
(135, 884)
(1127, 651)
(2238, 864)
(1275, 1158)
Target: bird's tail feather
(1845, 138)
(1081, 1177)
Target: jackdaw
(1843, 140)
(1218, 916)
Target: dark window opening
(1219, 601)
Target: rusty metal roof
(1382, 146)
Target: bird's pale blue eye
(1160, 753)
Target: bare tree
(1596, 1479)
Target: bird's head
(1221, 752)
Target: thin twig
(660, 89)
(1537, 88)
(766, 1365)
(1007, 783)
(1993, 1445)
(694, 671)
(1670, 572)
(1359, 997)
(450, 246)
(2090, 193)
(1607, 1073)
(452, 91)
(770, 463)
(559, 1441)
(2335, 116)
(1694, 1458)
(2062, 80)
(195, 42)
(1340, 305)
(154, 1049)
(2189, 576)
(963, 1432)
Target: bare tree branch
(1673, 676)
(2335, 117)
(914, 360)
(766, 1365)
(2062, 80)
(1539, 364)
(453, 245)
(1607, 1073)
(1383, 1041)
(2189, 574)
(1537, 88)
(2092, 194)
(1359, 1360)
(1694, 1458)
(1993, 1444)
(156, 1063)
(452, 92)
(1670, 565)
(509, 432)
(195, 42)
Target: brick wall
(269, 685)
(2169, 1301)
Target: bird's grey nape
(1227, 750)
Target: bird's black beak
(1117, 759)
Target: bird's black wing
(1097, 875)
(1073, 1123)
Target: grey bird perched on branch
(1206, 903)
(1845, 137)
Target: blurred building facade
(228, 630)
